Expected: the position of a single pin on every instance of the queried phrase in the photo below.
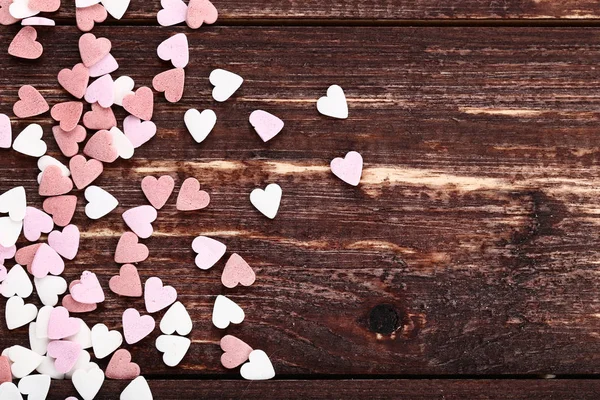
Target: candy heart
(75, 81)
(21, 9)
(200, 124)
(7, 253)
(157, 191)
(105, 66)
(334, 104)
(129, 250)
(190, 196)
(5, 132)
(349, 168)
(116, 8)
(101, 91)
(122, 144)
(99, 118)
(65, 354)
(9, 391)
(127, 283)
(45, 161)
(76, 307)
(140, 103)
(5, 374)
(24, 255)
(173, 12)
(35, 223)
(139, 220)
(68, 114)
(175, 49)
(9, 231)
(170, 82)
(199, 12)
(43, 318)
(14, 202)
(122, 87)
(46, 367)
(266, 125)
(176, 319)
(16, 283)
(68, 142)
(31, 102)
(18, 313)
(88, 290)
(236, 351)
(267, 201)
(237, 271)
(29, 141)
(7, 19)
(137, 389)
(157, 296)
(36, 387)
(226, 311)
(259, 367)
(136, 327)
(61, 326)
(225, 84)
(174, 348)
(3, 272)
(54, 183)
(48, 288)
(93, 50)
(88, 383)
(104, 342)
(100, 202)
(84, 171)
(24, 360)
(66, 243)
(138, 132)
(38, 345)
(209, 251)
(87, 16)
(45, 5)
(121, 367)
(38, 21)
(45, 261)
(25, 46)
(61, 208)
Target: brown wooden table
(464, 266)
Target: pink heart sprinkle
(209, 251)
(237, 271)
(139, 220)
(136, 327)
(199, 12)
(138, 132)
(121, 367)
(44, 5)
(190, 196)
(68, 142)
(158, 297)
(173, 12)
(35, 223)
(68, 114)
(31, 102)
(170, 82)
(53, 182)
(101, 147)
(127, 283)
(60, 325)
(7, 19)
(24, 256)
(65, 243)
(84, 171)
(140, 103)
(348, 169)
(75, 81)
(6, 253)
(86, 17)
(157, 191)
(105, 66)
(175, 49)
(101, 91)
(45, 261)
(24, 45)
(99, 118)
(5, 132)
(129, 250)
(74, 306)
(236, 351)
(88, 290)
(93, 50)
(266, 125)
(66, 354)
(61, 208)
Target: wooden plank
(470, 246)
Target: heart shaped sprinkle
(190, 196)
(349, 168)
(137, 389)
(140, 103)
(74, 306)
(334, 104)
(35, 223)
(121, 88)
(5, 132)
(105, 66)
(46, 261)
(266, 125)
(139, 220)
(65, 243)
(68, 142)
(101, 147)
(200, 124)
(31, 102)
(93, 49)
(45, 161)
(170, 82)
(18, 314)
(9, 391)
(174, 348)
(138, 132)
(237, 271)
(175, 49)
(20, 9)
(86, 17)
(136, 327)
(45, 5)
(173, 12)
(16, 283)
(49, 288)
(121, 367)
(61, 208)
(24, 44)
(9, 231)
(88, 382)
(75, 80)
(24, 255)
(158, 191)
(24, 361)
(176, 319)
(199, 12)
(116, 8)
(267, 201)
(225, 84)
(258, 368)
(14, 203)
(65, 352)
(54, 183)
(5, 374)
(209, 251)
(60, 325)
(88, 290)
(29, 141)
(38, 21)
(7, 19)
(129, 250)
(101, 91)
(104, 342)
(99, 118)
(226, 311)
(124, 147)
(157, 296)
(236, 351)
(127, 283)
(84, 171)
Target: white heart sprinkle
(173, 347)
(46, 161)
(116, 8)
(29, 141)
(16, 283)
(104, 342)
(88, 383)
(18, 313)
(122, 143)
(258, 367)
(39, 345)
(334, 104)
(42, 320)
(176, 319)
(137, 389)
(225, 84)
(121, 88)
(100, 202)
(9, 231)
(49, 288)
(36, 387)
(14, 202)
(9, 391)
(267, 201)
(226, 311)
(24, 361)
(200, 124)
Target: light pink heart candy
(60, 325)
(105, 66)
(5, 132)
(35, 223)
(46, 261)
(101, 91)
(136, 327)
(236, 351)
(158, 297)
(7, 253)
(173, 12)
(266, 125)
(237, 271)
(66, 354)
(66, 243)
(209, 251)
(3, 273)
(138, 132)
(175, 49)
(139, 220)
(349, 168)
(88, 290)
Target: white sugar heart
(36, 387)
(175, 49)
(258, 367)
(18, 313)
(29, 141)
(9, 231)
(334, 104)
(42, 320)
(225, 84)
(122, 143)
(100, 202)
(226, 311)
(46, 161)
(116, 8)
(176, 319)
(47, 367)
(137, 389)
(16, 283)
(24, 361)
(104, 342)
(200, 124)
(9, 391)
(20, 9)
(83, 337)
(88, 383)
(14, 202)
(39, 345)
(49, 288)
(85, 3)
(174, 348)
(209, 251)
(121, 88)
(267, 201)
(83, 362)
